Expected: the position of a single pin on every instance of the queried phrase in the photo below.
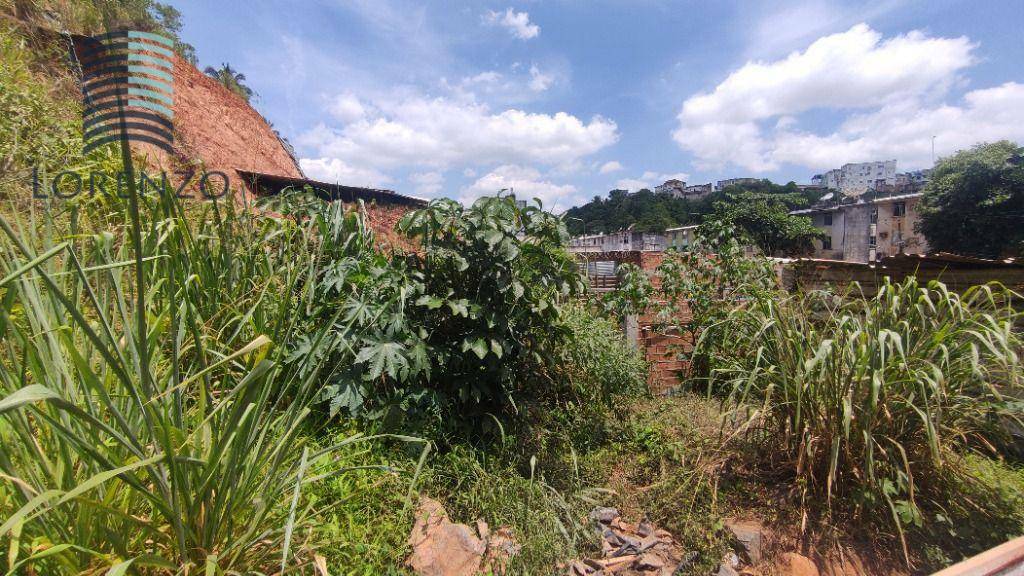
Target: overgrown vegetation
(204, 388)
(974, 202)
(875, 401)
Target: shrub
(146, 417)
(457, 327)
(873, 400)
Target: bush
(458, 327)
(874, 400)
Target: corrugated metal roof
(274, 184)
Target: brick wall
(660, 348)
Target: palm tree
(231, 79)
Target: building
(868, 227)
(696, 191)
(680, 238)
(622, 241)
(855, 179)
(674, 188)
(723, 184)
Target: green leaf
(27, 395)
(496, 348)
(477, 345)
(431, 302)
(382, 358)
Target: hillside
(647, 211)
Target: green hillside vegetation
(760, 211)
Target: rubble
(629, 549)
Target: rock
(440, 547)
(644, 528)
(650, 562)
(604, 515)
(726, 570)
(688, 559)
(483, 529)
(749, 536)
(732, 560)
(501, 547)
(793, 564)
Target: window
(826, 244)
(874, 215)
(828, 219)
(899, 209)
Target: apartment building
(623, 241)
(868, 227)
(723, 184)
(857, 178)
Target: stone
(793, 564)
(732, 560)
(650, 562)
(441, 547)
(749, 536)
(604, 515)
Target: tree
(231, 79)
(169, 18)
(765, 219)
(974, 203)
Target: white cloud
(527, 183)
(346, 108)
(609, 167)
(750, 119)
(517, 23)
(904, 130)
(427, 183)
(516, 86)
(632, 184)
(539, 81)
(439, 132)
(649, 180)
(333, 170)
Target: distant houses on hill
(867, 211)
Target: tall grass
(875, 400)
(145, 417)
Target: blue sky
(565, 100)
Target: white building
(623, 241)
(855, 179)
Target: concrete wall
(894, 231)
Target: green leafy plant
(147, 416)
(872, 401)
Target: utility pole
(933, 151)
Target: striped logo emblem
(128, 89)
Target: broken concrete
(629, 549)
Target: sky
(565, 100)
